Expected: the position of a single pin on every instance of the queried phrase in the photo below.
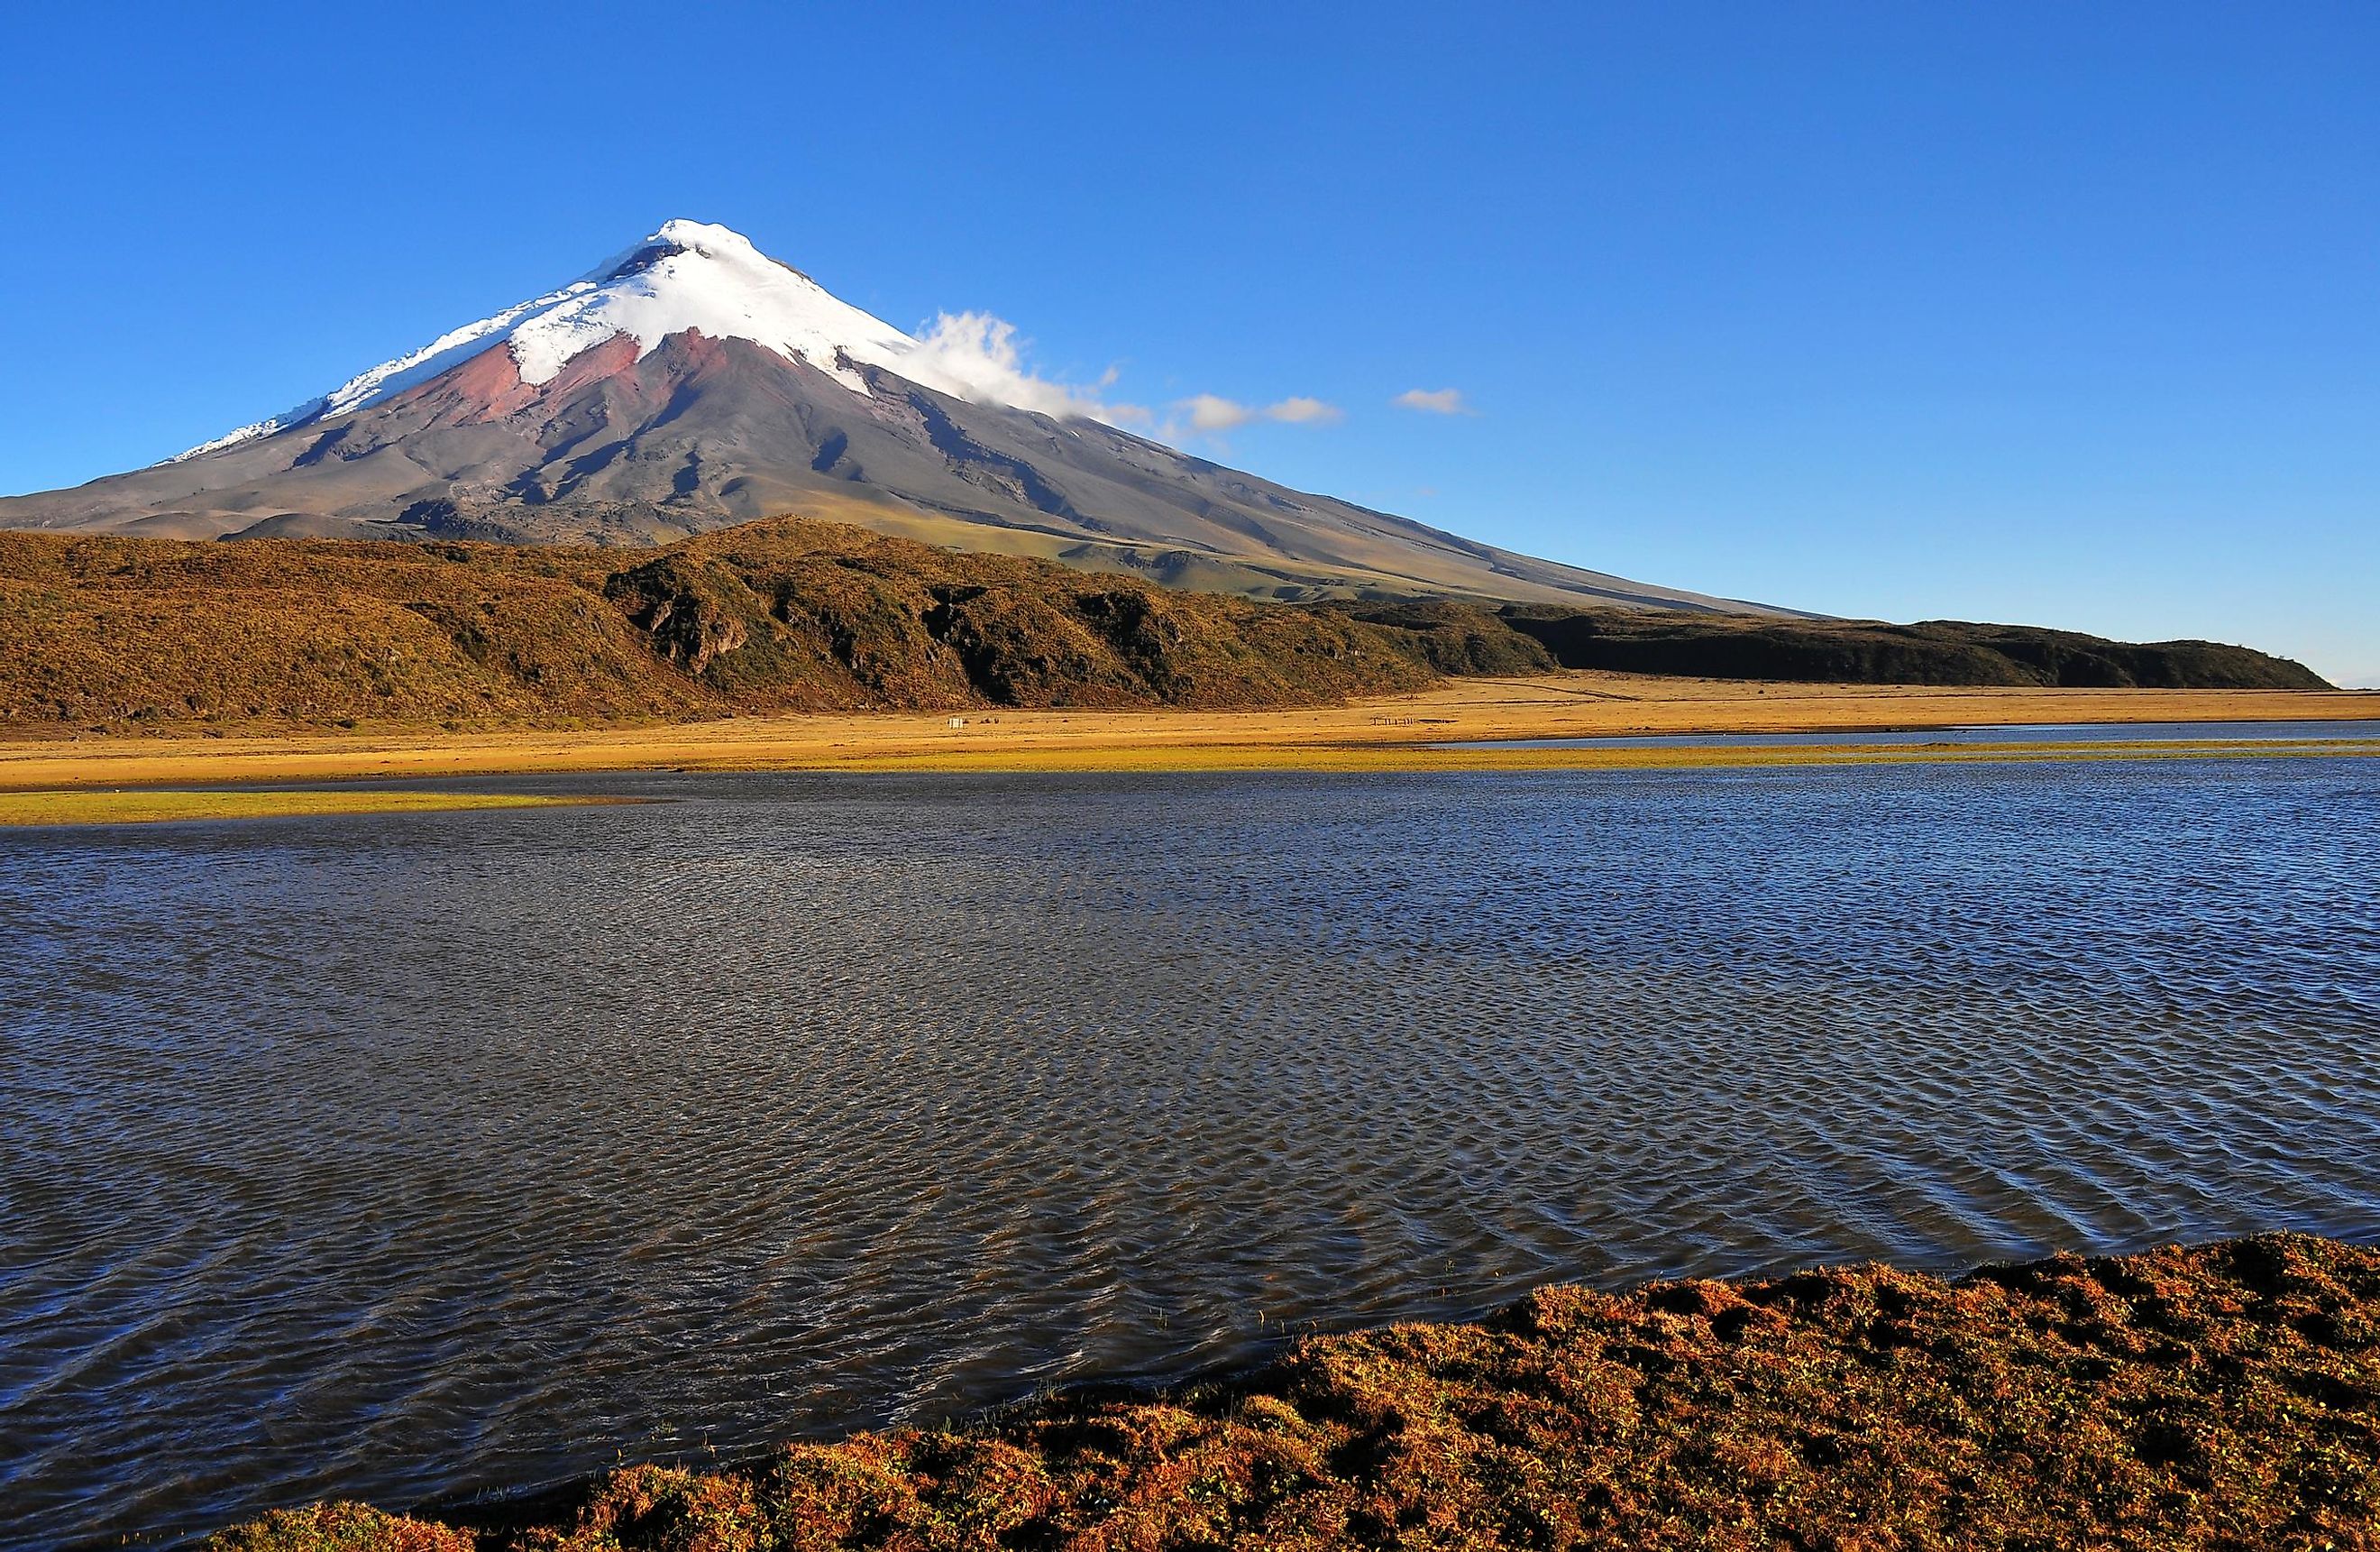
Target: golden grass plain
(153, 805)
(1386, 733)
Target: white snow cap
(691, 274)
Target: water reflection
(400, 1155)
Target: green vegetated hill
(791, 615)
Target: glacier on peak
(694, 274)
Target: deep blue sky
(2042, 312)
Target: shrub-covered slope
(2219, 1398)
(792, 614)
(1868, 651)
(776, 615)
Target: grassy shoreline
(169, 805)
(1387, 733)
(2224, 1395)
(73, 807)
(1426, 758)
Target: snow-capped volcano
(691, 381)
(689, 274)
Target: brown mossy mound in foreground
(2224, 1397)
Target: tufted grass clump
(2224, 1397)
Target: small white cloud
(979, 356)
(1433, 401)
(1305, 412)
(1212, 414)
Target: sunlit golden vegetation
(158, 805)
(1401, 732)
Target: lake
(414, 1156)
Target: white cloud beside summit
(978, 354)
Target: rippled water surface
(412, 1156)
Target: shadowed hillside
(1866, 652)
(791, 615)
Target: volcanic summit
(691, 381)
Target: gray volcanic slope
(700, 433)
